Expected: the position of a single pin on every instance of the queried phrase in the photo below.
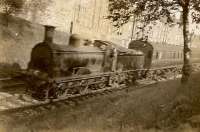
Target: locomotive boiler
(65, 60)
(79, 66)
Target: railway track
(23, 103)
(19, 103)
(48, 105)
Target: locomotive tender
(79, 66)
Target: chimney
(49, 33)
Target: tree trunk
(186, 71)
(6, 19)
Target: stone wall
(19, 36)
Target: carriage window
(160, 55)
(174, 56)
(171, 55)
(93, 61)
(164, 54)
(157, 55)
(178, 55)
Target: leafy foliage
(37, 8)
(11, 6)
(150, 11)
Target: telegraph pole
(133, 28)
(94, 13)
(71, 27)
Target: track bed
(21, 101)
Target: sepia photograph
(99, 66)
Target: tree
(150, 11)
(37, 8)
(9, 7)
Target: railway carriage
(162, 55)
(196, 55)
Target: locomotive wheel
(101, 85)
(73, 91)
(41, 92)
(83, 89)
(55, 90)
(60, 90)
(93, 87)
(130, 79)
(114, 80)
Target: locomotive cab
(127, 59)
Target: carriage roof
(137, 44)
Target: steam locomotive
(55, 70)
(81, 66)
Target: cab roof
(119, 48)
